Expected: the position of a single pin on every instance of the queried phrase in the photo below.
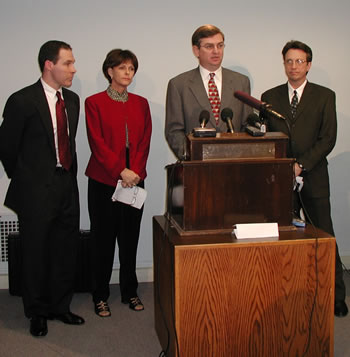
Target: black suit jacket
(313, 132)
(27, 148)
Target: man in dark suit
(311, 124)
(37, 149)
(188, 93)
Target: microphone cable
(309, 220)
(307, 216)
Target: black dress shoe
(340, 309)
(38, 326)
(68, 318)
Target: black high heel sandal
(102, 309)
(134, 303)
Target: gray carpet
(125, 334)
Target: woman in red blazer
(119, 132)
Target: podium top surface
(240, 136)
(307, 233)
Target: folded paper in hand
(133, 196)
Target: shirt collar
(51, 92)
(299, 90)
(205, 73)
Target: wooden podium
(216, 296)
(230, 179)
(230, 298)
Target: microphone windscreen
(248, 99)
(204, 115)
(226, 113)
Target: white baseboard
(144, 275)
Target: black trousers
(49, 242)
(319, 212)
(111, 221)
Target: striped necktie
(294, 104)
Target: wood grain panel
(254, 300)
(219, 194)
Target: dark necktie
(62, 134)
(214, 98)
(294, 104)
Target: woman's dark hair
(115, 58)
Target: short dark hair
(203, 32)
(297, 45)
(50, 51)
(115, 58)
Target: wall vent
(8, 224)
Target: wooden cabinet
(216, 296)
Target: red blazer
(106, 120)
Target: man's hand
(297, 170)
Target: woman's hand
(129, 178)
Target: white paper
(133, 196)
(256, 230)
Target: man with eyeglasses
(311, 123)
(207, 87)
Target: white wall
(159, 33)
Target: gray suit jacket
(187, 97)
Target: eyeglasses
(211, 46)
(298, 62)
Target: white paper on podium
(133, 196)
(256, 230)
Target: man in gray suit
(187, 94)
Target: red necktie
(62, 134)
(214, 98)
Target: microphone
(226, 116)
(257, 104)
(204, 118)
(254, 121)
(202, 131)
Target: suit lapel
(45, 115)
(226, 97)
(71, 118)
(285, 103)
(304, 100)
(197, 87)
